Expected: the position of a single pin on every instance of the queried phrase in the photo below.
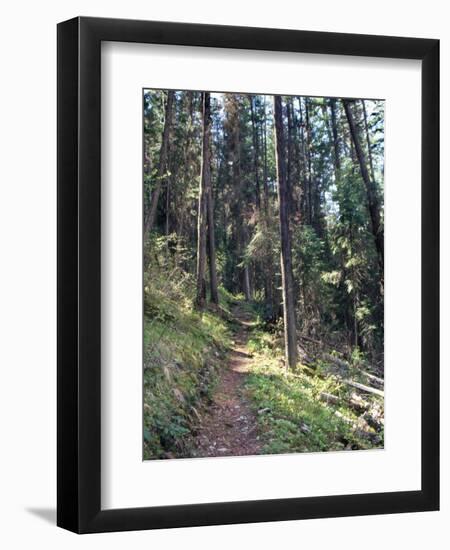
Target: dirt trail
(229, 428)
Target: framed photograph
(248, 254)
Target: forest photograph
(263, 274)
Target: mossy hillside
(182, 349)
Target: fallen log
(364, 388)
(329, 398)
(344, 365)
(357, 385)
(374, 379)
(358, 404)
(323, 343)
(354, 402)
(339, 362)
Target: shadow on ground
(46, 514)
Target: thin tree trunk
(286, 256)
(187, 151)
(369, 147)
(296, 188)
(255, 154)
(290, 154)
(246, 267)
(149, 222)
(202, 211)
(348, 309)
(206, 174)
(265, 174)
(314, 180)
(308, 195)
(374, 208)
(247, 289)
(240, 204)
(269, 280)
(303, 168)
(328, 125)
(167, 206)
(337, 158)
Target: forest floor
(230, 426)
(215, 384)
(257, 406)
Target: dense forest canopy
(274, 199)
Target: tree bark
(167, 206)
(202, 210)
(308, 190)
(247, 289)
(265, 172)
(269, 279)
(150, 221)
(374, 209)
(240, 204)
(286, 256)
(334, 129)
(303, 206)
(255, 154)
(290, 153)
(369, 147)
(206, 175)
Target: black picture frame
(79, 281)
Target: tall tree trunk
(315, 182)
(255, 154)
(348, 308)
(150, 221)
(269, 279)
(240, 205)
(308, 191)
(206, 175)
(247, 288)
(334, 128)
(167, 205)
(296, 188)
(328, 126)
(286, 256)
(290, 153)
(202, 209)
(243, 239)
(374, 208)
(187, 157)
(265, 173)
(303, 166)
(369, 147)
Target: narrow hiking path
(256, 406)
(229, 428)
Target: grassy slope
(292, 416)
(182, 350)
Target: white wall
(28, 272)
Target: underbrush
(182, 349)
(293, 415)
